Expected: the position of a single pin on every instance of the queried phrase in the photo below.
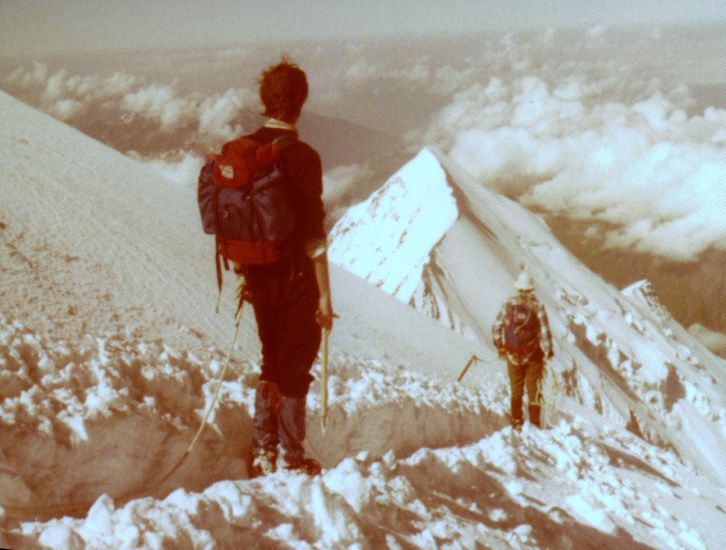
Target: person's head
(283, 90)
(524, 282)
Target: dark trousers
(285, 298)
(527, 375)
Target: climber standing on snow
(291, 297)
(522, 337)
(262, 199)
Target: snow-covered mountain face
(403, 222)
(620, 357)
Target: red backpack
(243, 201)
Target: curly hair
(283, 90)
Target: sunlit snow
(110, 350)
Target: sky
(32, 27)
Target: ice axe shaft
(467, 367)
(324, 382)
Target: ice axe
(324, 382)
(473, 359)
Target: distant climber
(275, 180)
(522, 337)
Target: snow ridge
(620, 356)
(574, 485)
(427, 210)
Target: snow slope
(401, 473)
(93, 239)
(110, 350)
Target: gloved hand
(324, 315)
(242, 292)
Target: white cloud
(345, 180)
(361, 72)
(719, 138)
(55, 87)
(419, 73)
(64, 96)
(361, 67)
(161, 103)
(117, 84)
(574, 133)
(183, 172)
(61, 85)
(447, 79)
(65, 109)
(652, 172)
(217, 114)
(28, 77)
(342, 186)
(665, 198)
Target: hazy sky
(40, 27)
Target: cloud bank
(129, 98)
(588, 124)
(343, 186)
(182, 172)
(653, 174)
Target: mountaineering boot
(292, 434)
(516, 417)
(534, 415)
(262, 462)
(305, 465)
(263, 456)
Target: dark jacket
(305, 183)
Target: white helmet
(524, 282)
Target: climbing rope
(203, 424)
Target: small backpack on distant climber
(520, 330)
(243, 201)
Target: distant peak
(387, 239)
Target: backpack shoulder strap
(281, 143)
(284, 141)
